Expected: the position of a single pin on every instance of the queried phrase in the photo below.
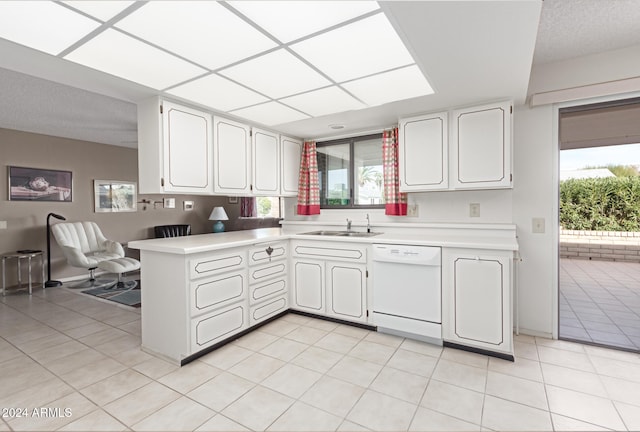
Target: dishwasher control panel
(408, 254)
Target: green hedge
(600, 204)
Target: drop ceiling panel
(289, 20)
(324, 101)
(362, 48)
(276, 74)
(103, 10)
(270, 114)
(118, 54)
(202, 31)
(404, 83)
(218, 93)
(44, 26)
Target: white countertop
(210, 242)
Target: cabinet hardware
(162, 182)
(160, 108)
(366, 273)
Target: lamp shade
(218, 214)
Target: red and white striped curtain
(308, 186)
(395, 201)
(248, 207)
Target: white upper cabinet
(423, 153)
(174, 148)
(266, 162)
(290, 152)
(481, 147)
(232, 157)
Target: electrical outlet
(412, 210)
(169, 203)
(537, 225)
(474, 210)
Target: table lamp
(218, 214)
(51, 283)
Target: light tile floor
(59, 349)
(600, 302)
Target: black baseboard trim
(335, 320)
(479, 351)
(223, 342)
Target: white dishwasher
(407, 291)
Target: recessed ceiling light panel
(118, 54)
(399, 84)
(103, 10)
(218, 93)
(355, 50)
(328, 100)
(270, 114)
(291, 20)
(202, 31)
(276, 74)
(44, 26)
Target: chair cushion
(162, 231)
(119, 265)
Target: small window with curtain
(350, 172)
(260, 207)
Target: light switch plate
(537, 226)
(169, 203)
(187, 205)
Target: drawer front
(261, 291)
(260, 253)
(214, 264)
(267, 271)
(219, 325)
(217, 291)
(267, 309)
(326, 250)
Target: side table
(19, 256)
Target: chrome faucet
(349, 224)
(368, 224)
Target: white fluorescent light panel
(241, 57)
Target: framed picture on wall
(37, 184)
(113, 196)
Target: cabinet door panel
(267, 309)
(291, 150)
(217, 291)
(187, 149)
(346, 291)
(309, 286)
(219, 325)
(482, 147)
(423, 153)
(266, 163)
(232, 157)
(478, 308)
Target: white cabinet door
(347, 291)
(481, 147)
(477, 295)
(187, 149)
(290, 151)
(232, 157)
(308, 286)
(266, 162)
(423, 151)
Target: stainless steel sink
(342, 233)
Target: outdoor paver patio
(600, 302)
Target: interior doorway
(599, 251)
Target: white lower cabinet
(268, 282)
(218, 325)
(335, 286)
(477, 293)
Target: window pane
(367, 157)
(333, 173)
(268, 206)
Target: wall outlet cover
(537, 226)
(412, 210)
(474, 210)
(187, 205)
(169, 203)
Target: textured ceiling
(575, 28)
